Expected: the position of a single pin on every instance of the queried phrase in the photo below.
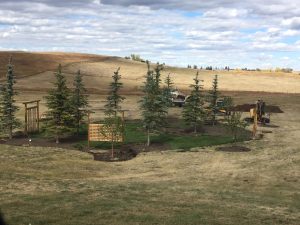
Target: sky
(249, 33)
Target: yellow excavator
(257, 114)
(260, 112)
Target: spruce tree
(114, 99)
(213, 98)
(167, 90)
(79, 101)
(157, 76)
(8, 109)
(58, 102)
(193, 112)
(113, 123)
(153, 105)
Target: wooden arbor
(32, 116)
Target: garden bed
(175, 136)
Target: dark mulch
(127, 152)
(247, 107)
(67, 143)
(233, 149)
(123, 154)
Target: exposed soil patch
(233, 149)
(123, 154)
(67, 143)
(127, 152)
(247, 107)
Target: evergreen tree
(114, 99)
(193, 112)
(167, 91)
(154, 109)
(79, 101)
(157, 76)
(113, 123)
(213, 97)
(58, 101)
(8, 109)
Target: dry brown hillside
(27, 63)
(35, 73)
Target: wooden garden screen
(96, 132)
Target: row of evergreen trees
(157, 99)
(67, 109)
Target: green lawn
(134, 134)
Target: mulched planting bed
(67, 143)
(127, 152)
(233, 149)
(175, 136)
(123, 154)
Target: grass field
(56, 186)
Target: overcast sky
(248, 33)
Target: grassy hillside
(35, 73)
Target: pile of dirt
(233, 149)
(127, 152)
(247, 107)
(123, 154)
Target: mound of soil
(127, 152)
(123, 154)
(233, 149)
(247, 107)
